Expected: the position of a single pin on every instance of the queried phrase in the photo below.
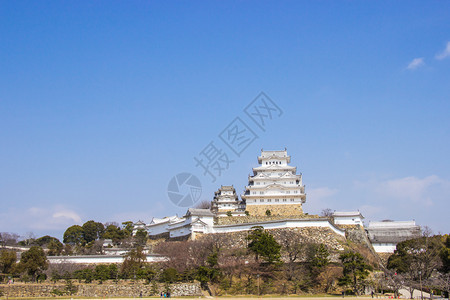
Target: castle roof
(274, 154)
(199, 212)
(347, 214)
(392, 224)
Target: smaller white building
(161, 225)
(385, 235)
(348, 218)
(195, 221)
(226, 202)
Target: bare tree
(293, 245)
(395, 282)
(328, 277)
(204, 204)
(177, 254)
(8, 239)
(61, 270)
(327, 212)
(441, 281)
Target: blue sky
(102, 103)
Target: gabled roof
(392, 224)
(274, 154)
(227, 188)
(274, 168)
(199, 212)
(347, 214)
(163, 220)
(198, 221)
(278, 185)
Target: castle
(272, 199)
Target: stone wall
(316, 235)
(254, 219)
(105, 290)
(358, 235)
(275, 210)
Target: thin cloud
(416, 63)
(445, 53)
(409, 188)
(319, 198)
(424, 199)
(40, 218)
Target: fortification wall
(316, 235)
(264, 218)
(275, 210)
(105, 290)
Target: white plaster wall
(180, 231)
(347, 220)
(277, 225)
(384, 247)
(208, 220)
(158, 228)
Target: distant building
(160, 226)
(385, 235)
(348, 218)
(226, 202)
(195, 221)
(274, 186)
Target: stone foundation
(316, 235)
(256, 219)
(275, 210)
(105, 290)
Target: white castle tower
(274, 186)
(226, 202)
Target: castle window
(284, 200)
(277, 200)
(269, 200)
(288, 192)
(292, 200)
(261, 193)
(262, 200)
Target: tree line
(259, 263)
(82, 239)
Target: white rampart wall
(277, 225)
(348, 220)
(384, 247)
(155, 229)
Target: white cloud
(51, 218)
(39, 218)
(409, 188)
(424, 199)
(415, 63)
(67, 215)
(445, 53)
